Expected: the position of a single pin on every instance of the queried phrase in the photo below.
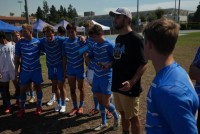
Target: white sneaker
(101, 127)
(52, 100)
(117, 123)
(57, 108)
(66, 99)
(62, 109)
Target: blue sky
(100, 7)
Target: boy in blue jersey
(194, 73)
(90, 71)
(90, 67)
(102, 55)
(52, 46)
(75, 68)
(27, 55)
(172, 102)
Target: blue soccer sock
(113, 111)
(103, 114)
(59, 101)
(75, 105)
(96, 103)
(39, 98)
(81, 104)
(23, 100)
(63, 102)
(32, 93)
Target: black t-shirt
(128, 56)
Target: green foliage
(12, 14)
(151, 16)
(53, 16)
(159, 13)
(143, 18)
(45, 9)
(197, 14)
(190, 25)
(39, 14)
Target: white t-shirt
(7, 54)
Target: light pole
(20, 2)
(179, 3)
(137, 15)
(26, 11)
(175, 12)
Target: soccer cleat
(51, 101)
(109, 115)
(57, 108)
(38, 111)
(80, 111)
(93, 112)
(101, 127)
(7, 110)
(32, 100)
(66, 99)
(73, 112)
(20, 113)
(62, 109)
(116, 123)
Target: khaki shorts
(129, 105)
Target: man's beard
(118, 27)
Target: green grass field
(189, 39)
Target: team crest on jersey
(118, 50)
(35, 45)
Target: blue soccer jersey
(29, 51)
(102, 53)
(53, 51)
(91, 43)
(171, 103)
(70, 50)
(197, 62)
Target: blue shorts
(102, 84)
(78, 73)
(27, 77)
(56, 73)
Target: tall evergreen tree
(71, 12)
(45, 9)
(39, 14)
(53, 15)
(196, 17)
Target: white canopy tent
(104, 27)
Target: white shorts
(90, 75)
(7, 76)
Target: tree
(54, 14)
(71, 12)
(151, 17)
(143, 18)
(45, 9)
(159, 13)
(12, 14)
(39, 14)
(196, 17)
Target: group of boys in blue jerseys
(172, 102)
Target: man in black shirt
(128, 66)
